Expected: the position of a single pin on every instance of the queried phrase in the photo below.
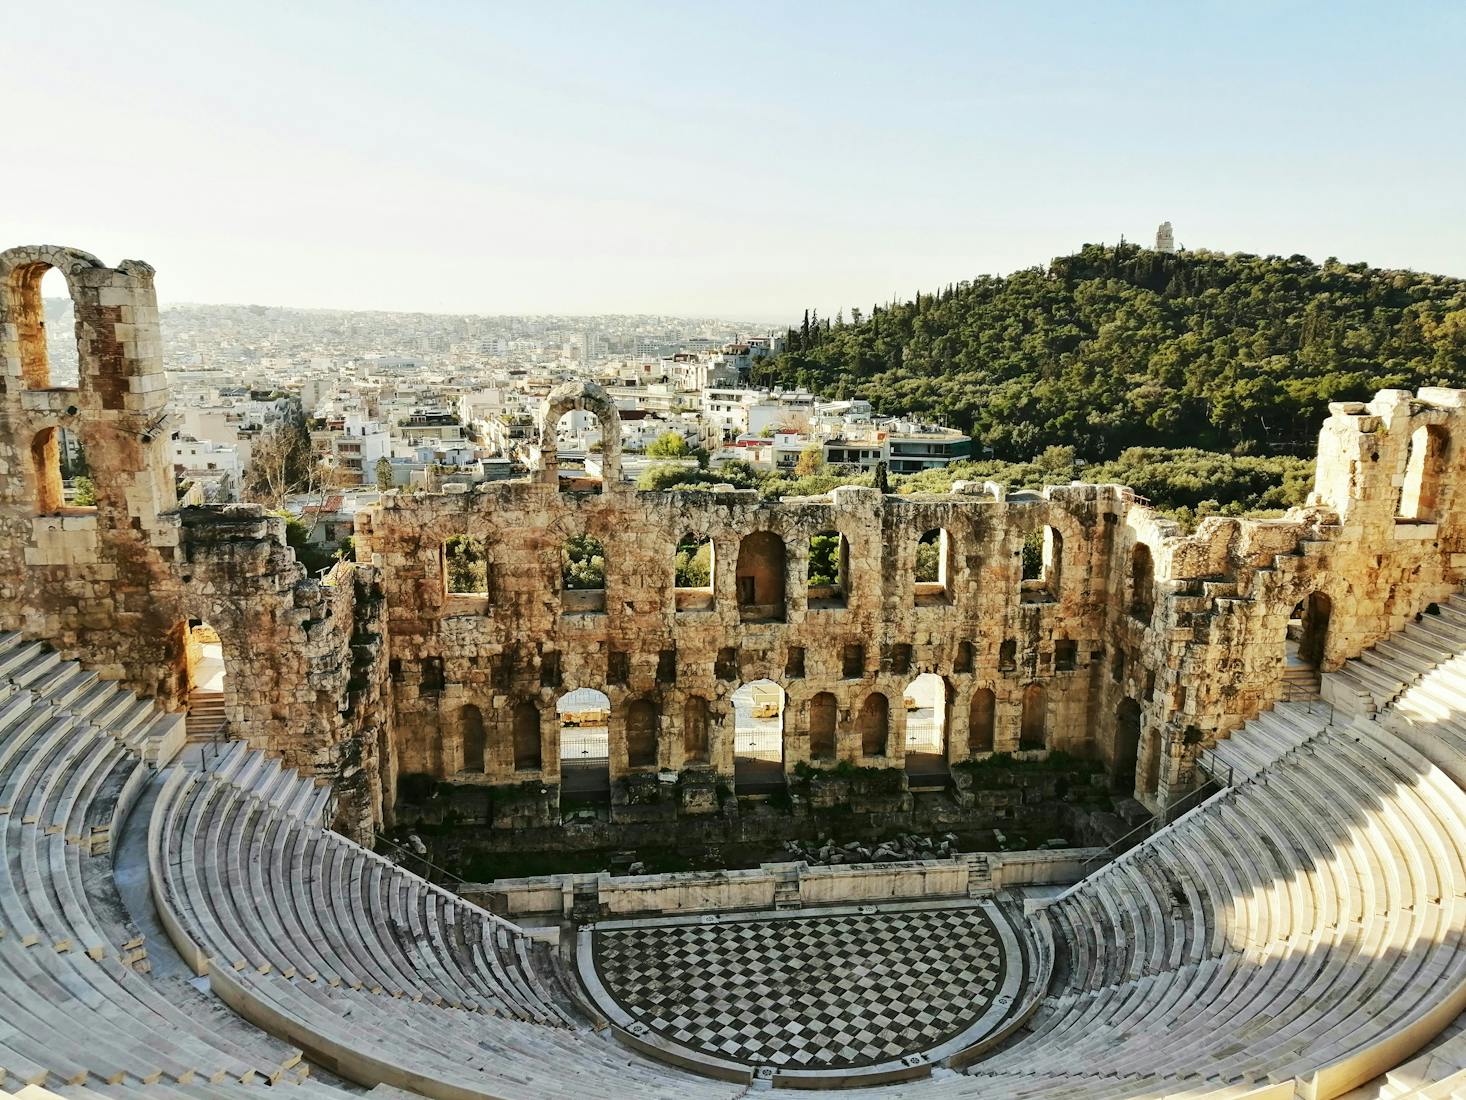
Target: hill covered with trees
(1118, 347)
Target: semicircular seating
(76, 1007)
(370, 968)
(1295, 934)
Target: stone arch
(1142, 583)
(21, 306)
(582, 397)
(824, 713)
(875, 725)
(525, 736)
(471, 739)
(760, 577)
(696, 725)
(1127, 744)
(1425, 466)
(1032, 730)
(641, 734)
(925, 704)
(982, 713)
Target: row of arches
(583, 718)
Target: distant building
(1165, 240)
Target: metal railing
(1146, 829)
(448, 877)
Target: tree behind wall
(281, 463)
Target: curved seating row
(374, 971)
(75, 1005)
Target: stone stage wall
(1136, 644)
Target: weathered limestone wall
(115, 585)
(528, 640)
(1142, 645)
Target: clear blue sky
(739, 159)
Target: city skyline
(579, 160)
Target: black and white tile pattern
(806, 991)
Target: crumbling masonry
(1135, 644)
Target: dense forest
(1119, 347)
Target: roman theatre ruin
(212, 917)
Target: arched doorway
(695, 723)
(1127, 745)
(1305, 645)
(925, 704)
(203, 658)
(758, 737)
(641, 734)
(585, 745)
(1032, 732)
(526, 735)
(471, 739)
(874, 724)
(823, 715)
(981, 721)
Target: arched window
(933, 568)
(471, 736)
(1032, 732)
(981, 720)
(695, 731)
(526, 733)
(1043, 563)
(823, 711)
(1127, 744)
(466, 566)
(829, 567)
(925, 702)
(582, 574)
(693, 573)
(759, 575)
(1142, 583)
(641, 734)
(875, 724)
(44, 316)
(1425, 464)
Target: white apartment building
(215, 467)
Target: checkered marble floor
(807, 992)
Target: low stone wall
(716, 891)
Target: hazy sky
(739, 159)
